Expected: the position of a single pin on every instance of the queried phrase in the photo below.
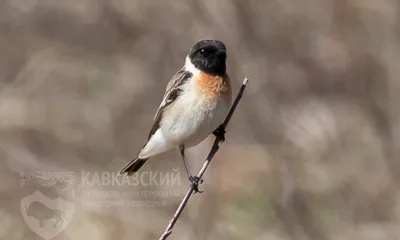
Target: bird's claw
(195, 181)
(220, 133)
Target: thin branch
(207, 162)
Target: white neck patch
(190, 67)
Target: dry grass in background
(312, 151)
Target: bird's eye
(202, 51)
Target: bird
(194, 106)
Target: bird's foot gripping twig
(220, 133)
(195, 181)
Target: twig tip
(246, 79)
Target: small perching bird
(195, 104)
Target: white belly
(191, 119)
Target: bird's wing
(171, 93)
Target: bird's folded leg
(220, 133)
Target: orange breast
(214, 86)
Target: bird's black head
(209, 56)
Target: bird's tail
(133, 166)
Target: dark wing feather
(171, 94)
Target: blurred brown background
(312, 151)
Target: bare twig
(207, 162)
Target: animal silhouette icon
(42, 213)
